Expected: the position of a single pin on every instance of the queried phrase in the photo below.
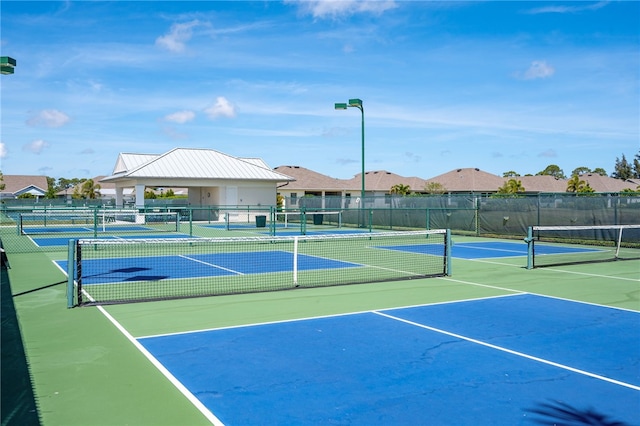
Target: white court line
(592, 275)
(257, 324)
(518, 252)
(195, 401)
(553, 269)
(213, 265)
(521, 354)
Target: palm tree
(90, 189)
(400, 189)
(575, 184)
(512, 186)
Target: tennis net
(107, 271)
(567, 245)
(96, 221)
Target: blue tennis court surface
(487, 361)
(153, 268)
(81, 229)
(486, 250)
(63, 241)
(321, 232)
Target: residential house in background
(17, 185)
(457, 181)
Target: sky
(500, 86)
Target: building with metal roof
(212, 178)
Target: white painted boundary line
(520, 354)
(195, 401)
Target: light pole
(357, 103)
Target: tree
(622, 169)
(599, 171)
(51, 188)
(64, 183)
(552, 170)
(90, 190)
(510, 173)
(1, 181)
(586, 189)
(400, 189)
(575, 184)
(581, 171)
(512, 186)
(435, 188)
(636, 166)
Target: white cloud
(3, 150)
(339, 8)
(179, 34)
(48, 118)
(539, 69)
(568, 9)
(35, 147)
(222, 108)
(180, 117)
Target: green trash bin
(317, 219)
(261, 221)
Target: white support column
(119, 196)
(139, 196)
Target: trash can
(261, 221)
(317, 219)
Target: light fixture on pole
(7, 64)
(357, 103)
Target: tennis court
(493, 341)
(411, 365)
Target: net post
(447, 250)
(529, 241)
(71, 248)
(95, 223)
(619, 241)
(191, 222)
(272, 220)
(295, 261)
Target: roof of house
(468, 180)
(601, 183)
(382, 180)
(458, 180)
(187, 163)
(309, 180)
(542, 183)
(19, 184)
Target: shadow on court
(17, 399)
